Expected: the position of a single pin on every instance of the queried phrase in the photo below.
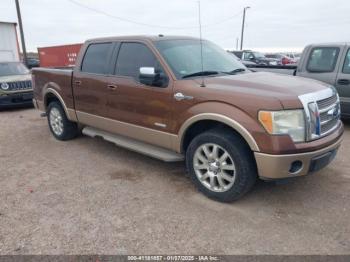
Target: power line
(145, 24)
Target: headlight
(286, 122)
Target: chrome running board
(134, 145)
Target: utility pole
(242, 33)
(24, 50)
(237, 40)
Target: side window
(132, 56)
(96, 58)
(323, 59)
(346, 67)
(248, 56)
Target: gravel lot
(88, 196)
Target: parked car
(256, 57)
(32, 62)
(154, 95)
(282, 59)
(244, 62)
(15, 85)
(329, 63)
(294, 56)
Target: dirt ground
(87, 196)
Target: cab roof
(152, 38)
(331, 44)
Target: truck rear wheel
(221, 165)
(60, 126)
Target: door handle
(77, 82)
(112, 87)
(343, 82)
(181, 96)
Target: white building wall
(8, 42)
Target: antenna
(201, 41)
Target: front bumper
(16, 100)
(271, 167)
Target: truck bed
(59, 80)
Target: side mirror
(147, 71)
(149, 76)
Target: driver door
(144, 112)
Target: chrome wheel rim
(56, 122)
(214, 167)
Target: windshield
(259, 55)
(13, 68)
(184, 57)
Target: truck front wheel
(221, 165)
(60, 126)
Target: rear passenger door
(343, 83)
(137, 106)
(90, 82)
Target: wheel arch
(209, 121)
(50, 94)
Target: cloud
(270, 23)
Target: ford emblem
(334, 111)
(5, 86)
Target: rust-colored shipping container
(58, 56)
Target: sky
(271, 25)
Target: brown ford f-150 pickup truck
(155, 95)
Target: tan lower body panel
(279, 166)
(147, 135)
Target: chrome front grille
(322, 110)
(20, 85)
(324, 103)
(329, 111)
(330, 125)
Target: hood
(15, 78)
(264, 86)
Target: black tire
(245, 166)
(69, 129)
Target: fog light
(295, 167)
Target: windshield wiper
(235, 71)
(201, 73)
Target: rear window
(323, 59)
(346, 67)
(96, 58)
